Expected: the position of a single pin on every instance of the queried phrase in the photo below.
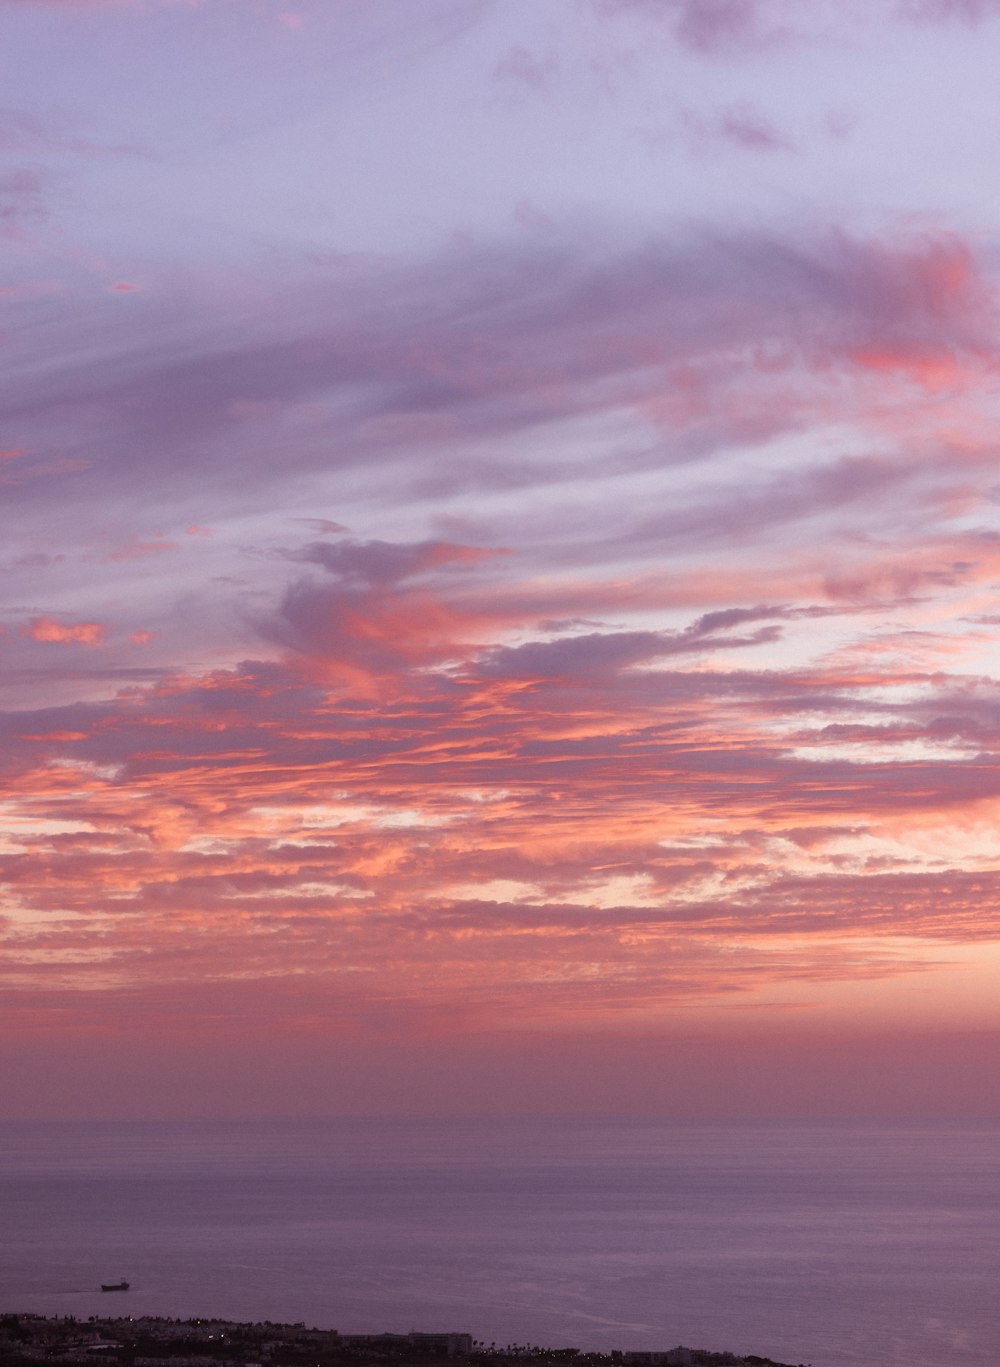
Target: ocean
(839, 1245)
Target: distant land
(152, 1341)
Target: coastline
(157, 1341)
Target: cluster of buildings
(150, 1341)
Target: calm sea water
(831, 1244)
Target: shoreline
(160, 1341)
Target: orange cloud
(47, 629)
(933, 373)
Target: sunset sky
(501, 557)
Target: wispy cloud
(466, 574)
(711, 27)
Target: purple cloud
(971, 11)
(709, 27)
(23, 196)
(487, 345)
(27, 134)
(382, 562)
(521, 67)
(745, 126)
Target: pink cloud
(457, 764)
(714, 735)
(192, 749)
(67, 633)
(384, 614)
(138, 550)
(509, 812)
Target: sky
(501, 557)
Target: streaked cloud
(502, 535)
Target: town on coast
(153, 1341)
